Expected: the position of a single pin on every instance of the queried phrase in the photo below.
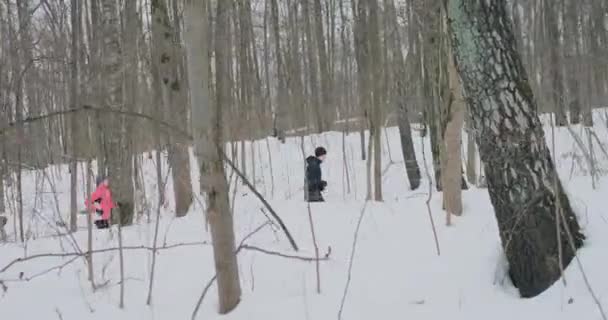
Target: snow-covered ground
(396, 272)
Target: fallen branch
(259, 196)
(202, 297)
(430, 196)
(288, 256)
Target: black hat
(320, 151)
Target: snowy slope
(396, 272)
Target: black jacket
(313, 175)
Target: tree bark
(119, 151)
(452, 138)
(208, 141)
(471, 154)
(326, 85)
(75, 15)
(19, 114)
(281, 112)
(167, 58)
(316, 100)
(399, 97)
(519, 169)
(555, 66)
(377, 96)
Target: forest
(464, 155)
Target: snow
(396, 272)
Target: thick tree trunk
(167, 57)
(521, 177)
(119, 151)
(206, 126)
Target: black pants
(315, 196)
(101, 223)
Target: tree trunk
(119, 151)
(316, 100)
(75, 15)
(377, 97)
(167, 58)
(19, 114)
(572, 63)
(521, 177)
(555, 66)
(208, 142)
(399, 99)
(452, 135)
(471, 154)
(326, 85)
(281, 110)
(2, 175)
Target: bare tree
(117, 140)
(377, 94)
(75, 15)
(208, 141)
(398, 94)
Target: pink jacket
(102, 192)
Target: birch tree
(525, 191)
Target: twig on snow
(202, 297)
(596, 300)
(288, 256)
(430, 196)
(350, 263)
(314, 242)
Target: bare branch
(84, 253)
(259, 196)
(288, 256)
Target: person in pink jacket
(101, 202)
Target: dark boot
(102, 224)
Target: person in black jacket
(314, 183)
